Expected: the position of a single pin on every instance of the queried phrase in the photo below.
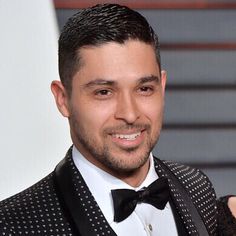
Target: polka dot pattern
(202, 194)
(98, 223)
(37, 210)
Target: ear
(163, 80)
(61, 97)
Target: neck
(133, 178)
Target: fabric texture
(200, 190)
(41, 210)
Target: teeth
(127, 136)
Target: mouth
(128, 137)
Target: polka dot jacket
(64, 206)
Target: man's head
(112, 90)
(96, 26)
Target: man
(112, 92)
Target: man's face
(116, 105)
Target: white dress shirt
(145, 219)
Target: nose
(127, 108)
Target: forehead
(131, 60)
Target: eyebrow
(99, 82)
(150, 78)
(142, 80)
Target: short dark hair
(97, 25)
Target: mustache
(125, 127)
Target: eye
(146, 90)
(103, 93)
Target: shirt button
(150, 227)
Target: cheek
(153, 111)
(95, 116)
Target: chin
(127, 163)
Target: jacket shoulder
(195, 181)
(192, 178)
(32, 211)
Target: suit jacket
(61, 204)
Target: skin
(116, 106)
(232, 205)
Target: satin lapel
(179, 222)
(178, 201)
(78, 200)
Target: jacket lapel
(78, 201)
(179, 222)
(178, 203)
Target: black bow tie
(125, 200)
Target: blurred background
(198, 50)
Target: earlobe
(61, 97)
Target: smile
(127, 136)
